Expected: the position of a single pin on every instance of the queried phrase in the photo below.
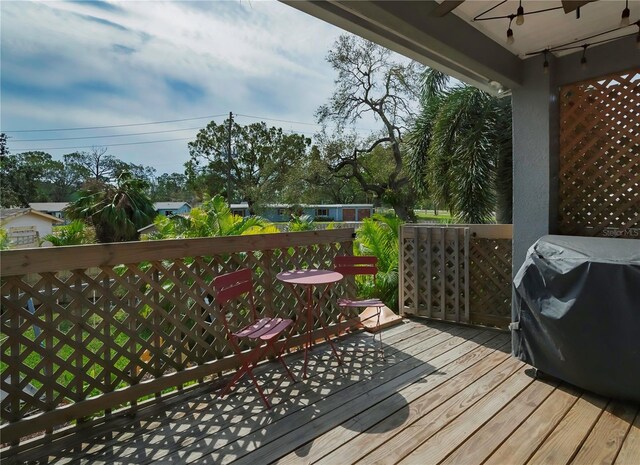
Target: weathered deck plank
(438, 446)
(444, 394)
(567, 438)
(630, 450)
(213, 419)
(521, 445)
(423, 395)
(489, 437)
(396, 375)
(604, 442)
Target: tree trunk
(251, 204)
(404, 213)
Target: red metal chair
(354, 266)
(263, 332)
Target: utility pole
(229, 199)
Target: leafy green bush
(300, 223)
(4, 239)
(75, 233)
(378, 236)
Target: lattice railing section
(458, 273)
(490, 281)
(599, 173)
(433, 272)
(101, 326)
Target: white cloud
(89, 66)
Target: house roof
(49, 206)
(169, 205)
(7, 214)
(304, 205)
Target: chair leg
(287, 369)
(379, 331)
(247, 364)
(255, 383)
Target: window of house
(322, 212)
(282, 211)
(238, 213)
(168, 213)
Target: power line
(107, 136)
(142, 133)
(278, 120)
(116, 125)
(293, 122)
(110, 145)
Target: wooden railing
(89, 329)
(459, 273)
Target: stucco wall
(43, 226)
(534, 155)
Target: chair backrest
(229, 287)
(348, 265)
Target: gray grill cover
(577, 307)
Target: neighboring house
(26, 226)
(51, 208)
(240, 209)
(172, 208)
(319, 212)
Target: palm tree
(115, 211)
(378, 236)
(213, 219)
(460, 150)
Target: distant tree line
(37, 177)
(438, 142)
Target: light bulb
(545, 66)
(520, 16)
(510, 38)
(583, 62)
(624, 20)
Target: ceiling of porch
(476, 51)
(551, 28)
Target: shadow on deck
(442, 394)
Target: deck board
(444, 394)
(604, 442)
(523, 442)
(344, 442)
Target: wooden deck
(443, 394)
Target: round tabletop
(309, 277)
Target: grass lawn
(428, 216)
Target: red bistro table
(309, 279)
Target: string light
(510, 38)
(520, 15)
(583, 60)
(582, 44)
(624, 20)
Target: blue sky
(78, 64)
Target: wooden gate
(459, 273)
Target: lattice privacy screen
(599, 182)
